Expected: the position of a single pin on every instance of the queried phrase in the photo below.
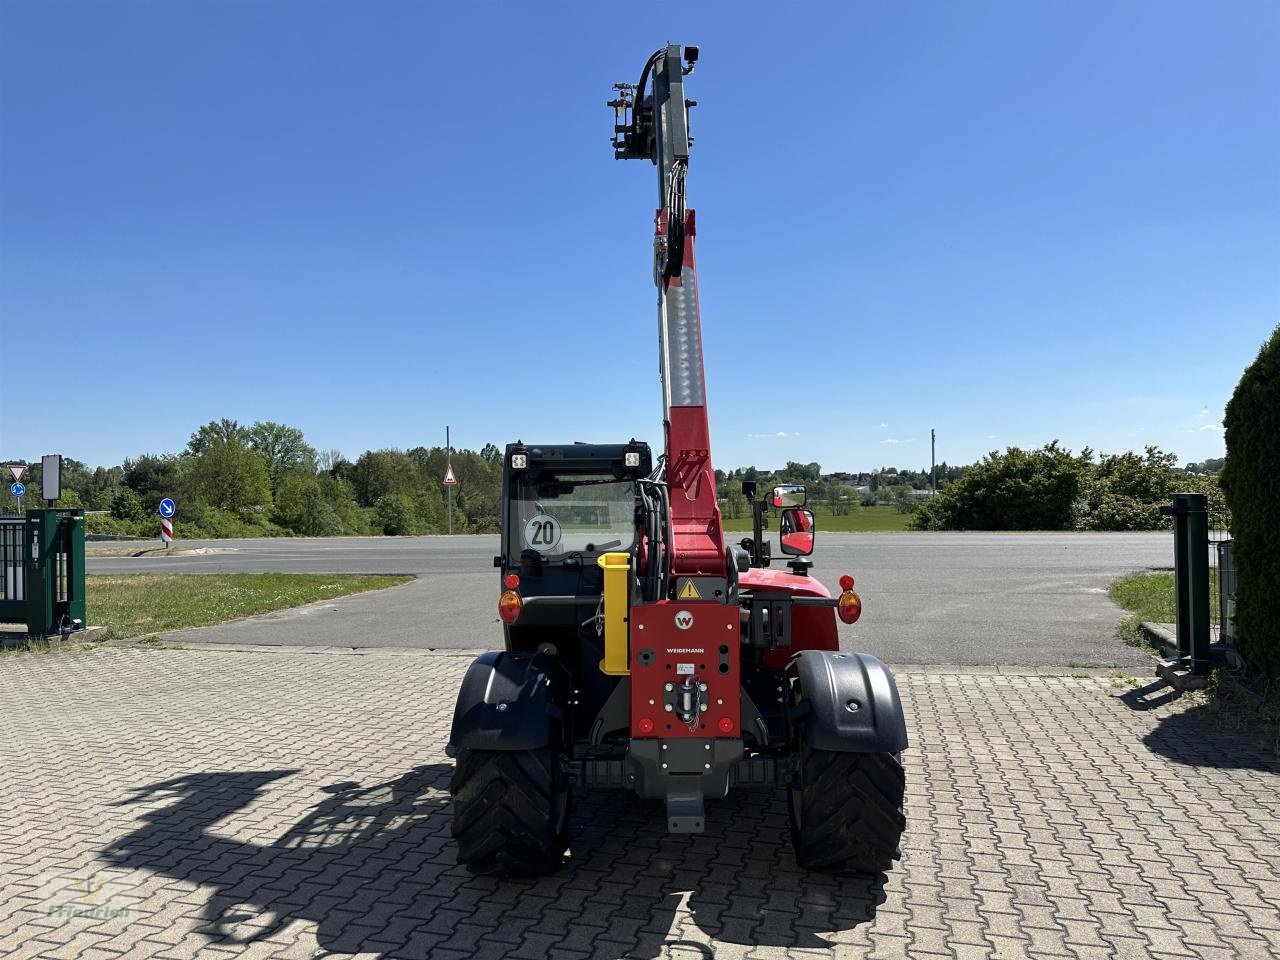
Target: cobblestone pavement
(205, 804)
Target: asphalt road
(945, 598)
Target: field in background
(135, 604)
(877, 519)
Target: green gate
(42, 571)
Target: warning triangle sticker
(449, 478)
(690, 591)
(18, 470)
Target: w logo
(684, 620)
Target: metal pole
(1198, 567)
(1181, 574)
(933, 459)
(448, 490)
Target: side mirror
(789, 495)
(795, 530)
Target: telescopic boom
(653, 124)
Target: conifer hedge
(1251, 482)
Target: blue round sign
(167, 508)
(17, 489)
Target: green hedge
(1251, 482)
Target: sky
(1008, 222)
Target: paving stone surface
(195, 803)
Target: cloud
(892, 440)
(1209, 426)
(1204, 412)
(991, 436)
(884, 426)
(780, 435)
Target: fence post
(1181, 580)
(1197, 507)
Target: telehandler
(641, 650)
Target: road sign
(19, 470)
(17, 489)
(166, 529)
(449, 479)
(167, 508)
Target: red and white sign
(166, 529)
(18, 470)
(449, 479)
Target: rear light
(511, 581)
(846, 582)
(849, 606)
(644, 725)
(509, 607)
(726, 725)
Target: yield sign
(18, 470)
(449, 479)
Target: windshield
(572, 513)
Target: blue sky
(1009, 221)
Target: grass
(139, 604)
(1149, 597)
(877, 519)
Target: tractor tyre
(510, 811)
(846, 811)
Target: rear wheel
(846, 810)
(510, 811)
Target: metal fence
(1222, 578)
(13, 573)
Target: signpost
(51, 477)
(450, 481)
(167, 509)
(17, 488)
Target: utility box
(42, 571)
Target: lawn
(132, 605)
(860, 520)
(1149, 596)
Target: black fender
(510, 701)
(849, 702)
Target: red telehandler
(642, 652)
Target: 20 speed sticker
(542, 533)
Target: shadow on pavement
(373, 868)
(1191, 736)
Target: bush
(1015, 490)
(395, 516)
(145, 528)
(127, 505)
(1251, 482)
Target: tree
(230, 476)
(225, 430)
(1251, 481)
(154, 477)
(127, 505)
(380, 473)
(284, 449)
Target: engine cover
(685, 679)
